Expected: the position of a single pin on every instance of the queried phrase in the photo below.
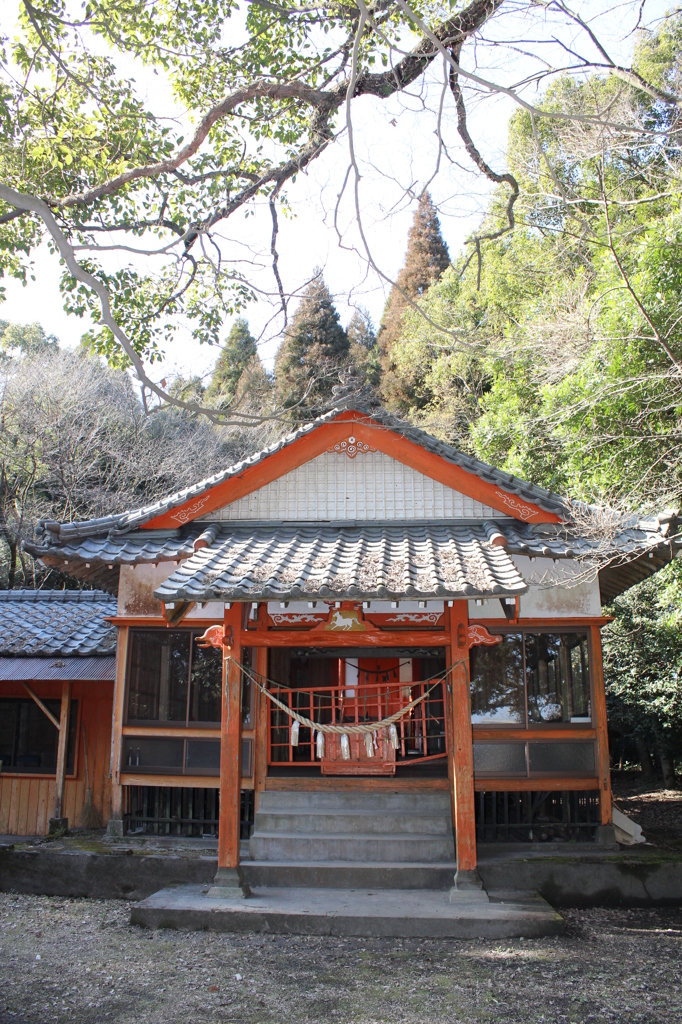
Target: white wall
(561, 589)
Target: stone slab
(370, 913)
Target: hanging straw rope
(341, 729)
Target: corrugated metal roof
(88, 669)
(56, 622)
(389, 561)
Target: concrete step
(437, 802)
(318, 846)
(348, 822)
(366, 913)
(347, 875)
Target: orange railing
(421, 731)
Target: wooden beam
(117, 716)
(61, 749)
(228, 880)
(343, 638)
(555, 783)
(45, 710)
(599, 715)
(502, 733)
(462, 746)
(181, 732)
(276, 783)
(261, 737)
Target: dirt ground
(657, 810)
(77, 961)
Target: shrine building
(357, 648)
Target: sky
(398, 153)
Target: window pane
(203, 756)
(29, 740)
(551, 758)
(500, 758)
(497, 682)
(557, 676)
(159, 667)
(206, 683)
(153, 754)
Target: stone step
(430, 802)
(348, 822)
(344, 874)
(318, 846)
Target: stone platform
(376, 913)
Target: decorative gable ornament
(351, 446)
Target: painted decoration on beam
(525, 512)
(351, 447)
(298, 618)
(346, 621)
(479, 635)
(184, 515)
(412, 618)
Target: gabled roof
(537, 523)
(56, 622)
(144, 517)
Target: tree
(314, 351)
(89, 164)
(236, 354)
(425, 260)
(75, 443)
(643, 669)
(27, 339)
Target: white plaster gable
(371, 486)
(136, 587)
(556, 589)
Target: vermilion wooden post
(61, 751)
(467, 880)
(262, 715)
(229, 880)
(605, 809)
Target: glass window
(557, 678)
(171, 679)
(205, 684)
(29, 740)
(497, 694)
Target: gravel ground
(77, 960)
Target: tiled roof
(387, 561)
(127, 521)
(56, 622)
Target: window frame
(534, 727)
(7, 773)
(154, 724)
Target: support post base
(57, 825)
(229, 884)
(115, 828)
(468, 888)
(606, 836)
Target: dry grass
(612, 965)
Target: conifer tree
(425, 260)
(237, 353)
(315, 348)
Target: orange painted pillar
(605, 808)
(467, 880)
(115, 825)
(262, 715)
(229, 880)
